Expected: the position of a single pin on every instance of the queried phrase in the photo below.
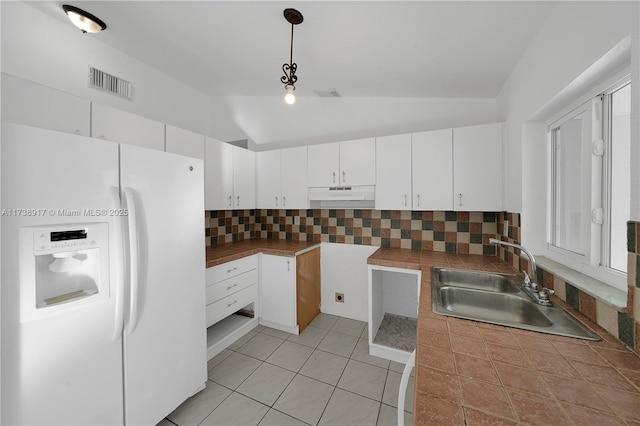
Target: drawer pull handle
(231, 304)
(232, 286)
(231, 270)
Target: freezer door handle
(133, 260)
(118, 262)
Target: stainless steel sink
(484, 281)
(498, 299)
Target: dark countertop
(469, 372)
(222, 253)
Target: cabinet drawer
(225, 307)
(231, 269)
(232, 285)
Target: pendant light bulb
(290, 98)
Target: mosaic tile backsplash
(445, 231)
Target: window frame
(591, 263)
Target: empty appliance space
(393, 311)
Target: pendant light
(289, 78)
(87, 22)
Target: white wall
(58, 55)
(269, 121)
(344, 269)
(575, 36)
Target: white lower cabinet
(278, 293)
(232, 301)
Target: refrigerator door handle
(118, 261)
(133, 260)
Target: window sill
(593, 287)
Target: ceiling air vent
(327, 93)
(109, 83)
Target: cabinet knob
(229, 200)
(288, 265)
(460, 199)
(238, 200)
(405, 200)
(344, 176)
(418, 197)
(334, 177)
(276, 201)
(284, 201)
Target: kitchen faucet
(530, 285)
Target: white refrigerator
(102, 289)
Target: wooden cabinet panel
(308, 287)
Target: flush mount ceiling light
(289, 78)
(87, 22)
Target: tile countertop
(222, 253)
(469, 372)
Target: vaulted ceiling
(449, 49)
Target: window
(617, 190)
(590, 182)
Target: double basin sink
(499, 299)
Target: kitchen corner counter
(470, 372)
(222, 253)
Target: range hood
(360, 197)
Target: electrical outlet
(340, 297)
(296, 220)
(505, 228)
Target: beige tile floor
(324, 376)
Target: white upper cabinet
(184, 142)
(477, 153)
(323, 164)
(281, 179)
(121, 126)
(218, 175)
(268, 180)
(432, 169)
(358, 162)
(244, 178)
(230, 176)
(347, 163)
(393, 172)
(294, 178)
(31, 104)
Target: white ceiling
(360, 48)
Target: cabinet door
(432, 170)
(393, 172)
(31, 104)
(477, 165)
(218, 173)
(268, 181)
(121, 126)
(184, 142)
(294, 178)
(244, 178)
(323, 164)
(278, 292)
(358, 162)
